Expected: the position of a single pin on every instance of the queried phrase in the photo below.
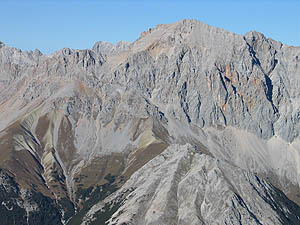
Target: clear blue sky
(50, 25)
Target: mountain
(189, 124)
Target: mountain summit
(189, 124)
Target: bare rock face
(189, 124)
(183, 186)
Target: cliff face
(189, 124)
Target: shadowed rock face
(181, 126)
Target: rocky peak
(104, 48)
(117, 117)
(37, 52)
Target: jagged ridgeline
(189, 124)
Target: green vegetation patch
(92, 196)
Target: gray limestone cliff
(78, 125)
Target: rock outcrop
(189, 124)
